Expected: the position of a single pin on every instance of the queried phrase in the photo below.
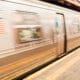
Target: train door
(61, 33)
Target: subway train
(33, 33)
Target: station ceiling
(71, 4)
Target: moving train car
(33, 33)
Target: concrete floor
(67, 68)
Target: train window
(28, 34)
(59, 23)
(75, 26)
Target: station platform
(67, 68)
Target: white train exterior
(36, 31)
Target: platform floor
(67, 68)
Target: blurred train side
(60, 34)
